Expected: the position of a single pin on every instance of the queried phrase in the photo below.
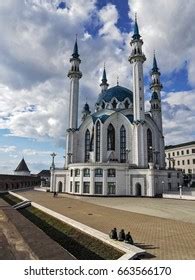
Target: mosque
(118, 150)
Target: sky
(37, 39)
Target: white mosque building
(118, 150)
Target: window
(182, 152)
(193, 151)
(77, 172)
(114, 104)
(70, 186)
(76, 187)
(86, 187)
(187, 152)
(110, 138)
(111, 188)
(86, 172)
(98, 141)
(98, 187)
(98, 172)
(188, 161)
(149, 143)
(193, 161)
(169, 175)
(87, 145)
(178, 162)
(71, 173)
(122, 144)
(169, 186)
(189, 171)
(183, 162)
(126, 104)
(111, 172)
(174, 154)
(169, 155)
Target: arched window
(87, 145)
(114, 104)
(149, 144)
(103, 105)
(126, 104)
(110, 138)
(122, 144)
(98, 141)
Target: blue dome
(120, 93)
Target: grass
(79, 244)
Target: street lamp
(53, 156)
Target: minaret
(156, 111)
(137, 58)
(74, 74)
(104, 85)
(155, 101)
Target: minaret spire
(75, 50)
(136, 34)
(104, 85)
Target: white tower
(137, 59)
(74, 74)
(155, 101)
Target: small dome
(120, 93)
(86, 107)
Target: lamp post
(163, 184)
(52, 168)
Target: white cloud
(7, 149)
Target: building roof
(44, 173)
(179, 145)
(155, 66)
(22, 166)
(120, 93)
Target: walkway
(20, 239)
(162, 238)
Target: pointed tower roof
(136, 34)
(104, 78)
(155, 66)
(86, 107)
(22, 166)
(75, 50)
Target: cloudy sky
(37, 38)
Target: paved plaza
(161, 237)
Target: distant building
(22, 169)
(45, 178)
(182, 157)
(21, 179)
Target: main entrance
(60, 187)
(138, 189)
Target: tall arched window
(98, 141)
(110, 138)
(87, 145)
(149, 144)
(123, 144)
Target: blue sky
(36, 44)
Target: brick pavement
(162, 238)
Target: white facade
(119, 148)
